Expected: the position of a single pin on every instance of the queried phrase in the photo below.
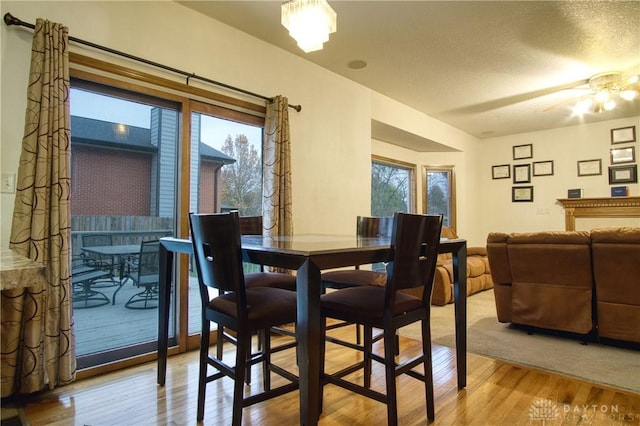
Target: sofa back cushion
(616, 268)
(552, 280)
(498, 258)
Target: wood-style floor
(497, 393)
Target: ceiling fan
(605, 91)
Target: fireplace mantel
(598, 207)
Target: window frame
(450, 169)
(411, 168)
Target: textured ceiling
(488, 68)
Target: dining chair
(145, 273)
(252, 225)
(415, 242)
(366, 227)
(245, 310)
(106, 263)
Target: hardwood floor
(497, 393)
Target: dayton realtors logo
(545, 410)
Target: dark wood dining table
(308, 255)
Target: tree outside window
(242, 180)
(391, 188)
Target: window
(226, 153)
(439, 193)
(392, 187)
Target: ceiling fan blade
(514, 99)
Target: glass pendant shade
(309, 22)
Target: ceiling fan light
(609, 105)
(582, 107)
(628, 95)
(309, 22)
(602, 96)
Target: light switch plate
(8, 183)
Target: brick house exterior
(114, 170)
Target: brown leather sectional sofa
(478, 273)
(573, 281)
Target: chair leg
(264, 335)
(323, 346)
(368, 347)
(428, 369)
(202, 374)
(242, 349)
(390, 375)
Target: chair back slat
(149, 258)
(415, 252)
(371, 227)
(250, 225)
(217, 251)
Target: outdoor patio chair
(84, 275)
(145, 274)
(106, 263)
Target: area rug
(594, 362)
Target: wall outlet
(8, 183)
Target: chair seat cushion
(364, 304)
(353, 278)
(266, 306)
(270, 279)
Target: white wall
(331, 137)
(465, 161)
(565, 146)
(331, 145)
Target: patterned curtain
(41, 221)
(276, 201)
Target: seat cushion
(364, 304)
(266, 306)
(352, 278)
(270, 279)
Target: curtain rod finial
(9, 19)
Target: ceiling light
(606, 88)
(309, 22)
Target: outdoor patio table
(308, 255)
(122, 252)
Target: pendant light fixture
(309, 22)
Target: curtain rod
(12, 20)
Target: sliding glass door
(124, 150)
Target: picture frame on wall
(590, 167)
(543, 168)
(522, 173)
(623, 155)
(623, 174)
(502, 171)
(521, 152)
(522, 194)
(623, 134)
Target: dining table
(123, 252)
(308, 255)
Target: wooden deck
(113, 326)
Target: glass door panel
(123, 192)
(226, 174)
